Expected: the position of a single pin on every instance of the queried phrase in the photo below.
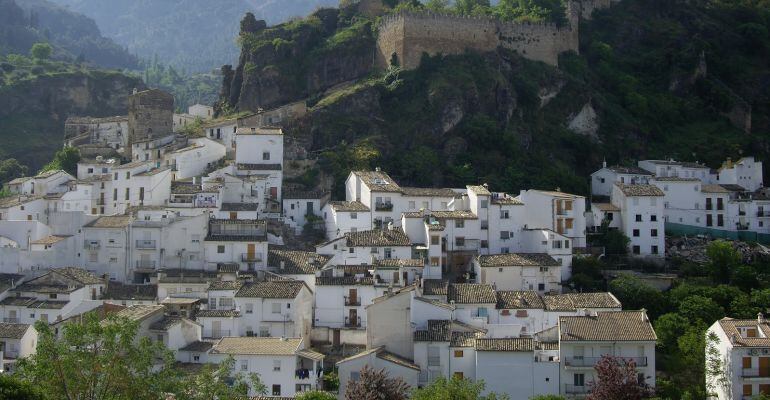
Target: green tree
(548, 397)
(699, 308)
(65, 159)
(316, 395)
(41, 51)
(11, 169)
(613, 240)
(587, 275)
(12, 388)
(723, 260)
(374, 385)
(472, 7)
(669, 328)
(635, 294)
(455, 389)
(211, 383)
(438, 6)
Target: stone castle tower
(150, 116)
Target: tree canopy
(455, 389)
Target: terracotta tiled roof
(283, 289)
(198, 346)
(396, 359)
(139, 313)
(349, 206)
(343, 281)
(13, 331)
(378, 181)
(576, 301)
(257, 346)
(731, 329)
(640, 190)
(239, 206)
(296, 262)
(377, 237)
(605, 207)
(518, 260)
(226, 285)
(507, 344)
(49, 240)
(713, 189)
(437, 303)
(675, 179)
(217, 314)
(60, 280)
(260, 167)
(458, 214)
(464, 339)
(289, 194)
(607, 326)
(110, 221)
(479, 190)
(519, 299)
(471, 293)
(165, 323)
(120, 291)
(619, 169)
(399, 262)
(434, 287)
(437, 331)
(427, 192)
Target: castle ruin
(150, 114)
(404, 37)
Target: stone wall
(150, 115)
(409, 35)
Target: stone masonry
(150, 114)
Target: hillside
(73, 35)
(37, 96)
(191, 35)
(653, 79)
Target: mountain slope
(655, 79)
(195, 35)
(73, 35)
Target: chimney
(135, 91)
(283, 265)
(761, 318)
(734, 338)
(377, 169)
(604, 163)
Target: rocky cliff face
(32, 112)
(295, 60)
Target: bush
(41, 51)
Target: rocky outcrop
(292, 61)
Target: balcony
(465, 245)
(145, 264)
(353, 323)
(741, 227)
(589, 362)
(741, 212)
(255, 258)
(763, 214)
(352, 301)
(92, 245)
(383, 206)
(145, 244)
(11, 320)
(574, 389)
(101, 202)
(754, 373)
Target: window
(128, 175)
(264, 331)
(244, 365)
(160, 338)
(434, 240)
(636, 233)
(52, 296)
(720, 220)
(541, 287)
(636, 250)
(484, 203)
(709, 220)
(556, 244)
(504, 214)
(196, 358)
(458, 353)
(276, 365)
(277, 390)
(434, 261)
(481, 312)
(114, 194)
(566, 244)
(460, 241)
(504, 250)
(388, 253)
(221, 249)
(504, 235)
(266, 155)
(579, 379)
(484, 244)
(276, 308)
(747, 390)
(638, 217)
(459, 223)
(90, 170)
(249, 308)
(353, 215)
(653, 218)
(128, 194)
(412, 206)
(434, 356)
(351, 250)
(654, 250)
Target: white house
(603, 180)
(279, 307)
(558, 211)
(743, 348)
(362, 247)
(299, 207)
(642, 217)
(746, 172)
(519, 271)
(583, 340)
(236, 241)
(341, 217)
(349, 369)
(201, 111)
(286, 366)
(195, 159)
(16, 341)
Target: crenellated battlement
(405, 36)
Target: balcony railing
(574, 389)
(101, 202)
(11, 320)
(754, 373)
(92, 245)
(591, 361)
(383, 207)
(145, 264)
(465, 245)
(352, 322)
(352, 301)
(216, 333)
(741, 227)
(709, 206)
(763, 213)
(145, 244)
(741, 212)
(245, 257)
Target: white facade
(642, 217)
(743, 349)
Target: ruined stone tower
(150, 115)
